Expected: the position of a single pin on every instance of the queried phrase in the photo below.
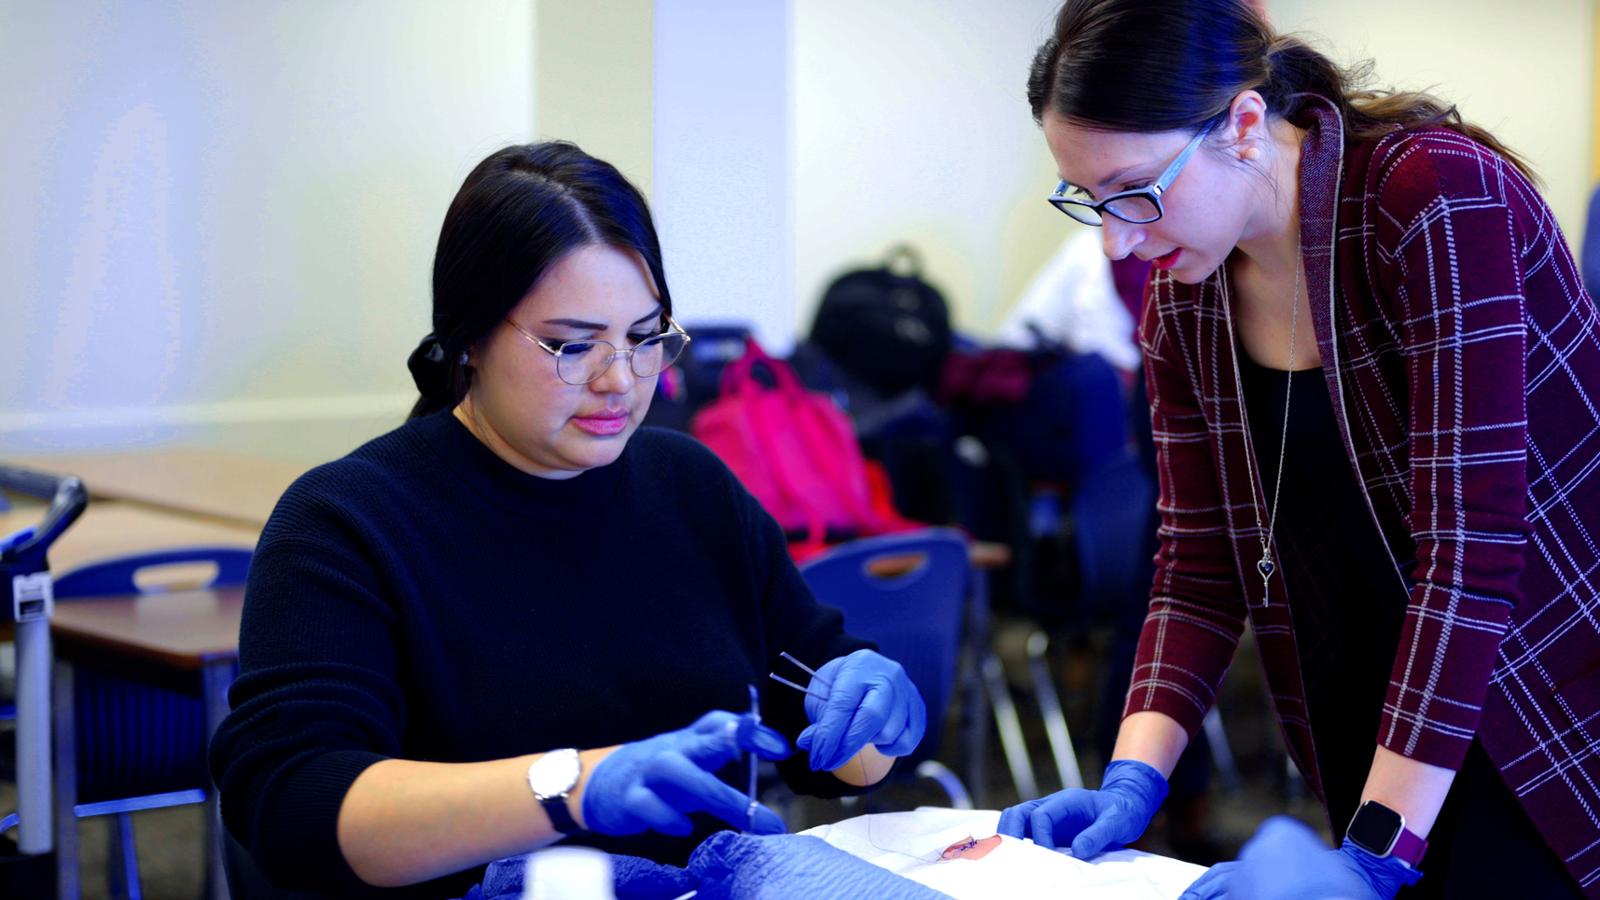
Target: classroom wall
(1525, 71)
(912, 124)
(217, 219)
(594, 81)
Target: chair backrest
(118, 576)
(906, 592)
(1114, 525)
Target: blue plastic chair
(140, 745)
(914, 615)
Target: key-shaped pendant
(1266, 567)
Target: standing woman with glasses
(518, 617)
(1373, 374)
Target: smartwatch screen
(1374, 828)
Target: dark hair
(1166, 65)
(520, 211)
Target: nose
(1118, 238)
(618, 378)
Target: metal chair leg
(1005, 719)
(1221, 753)
(974, 705)
(1055, 721)
(122, 859)
(66, 784)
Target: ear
(1245, 129)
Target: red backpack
(795, 450)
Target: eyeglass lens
(1137, 209)
(581, 362)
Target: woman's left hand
(1286, 860)
(860, 699)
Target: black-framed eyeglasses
(1140, 206)
(580, 362)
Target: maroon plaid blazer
(1463, 358)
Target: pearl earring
(1249, 153)
(463, 359)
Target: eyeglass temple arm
(1171, 170)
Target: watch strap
(1409, 848)
(560, 816)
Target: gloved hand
(1285, 860)
(859, 699)
(1093, 821)
(653, 784)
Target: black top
(1345, 596)
(422, 599)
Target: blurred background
(217, 219)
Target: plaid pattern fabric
(1463, 357)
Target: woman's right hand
(1092, 821)
(653, 784)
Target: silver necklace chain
(1265, 566)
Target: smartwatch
(552, 777)
(1382, 832)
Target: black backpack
(888, 328)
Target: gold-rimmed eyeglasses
(580, 362)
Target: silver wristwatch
(552, 777)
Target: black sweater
(422, 599)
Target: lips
(604, 423)
(1167, 261)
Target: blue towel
(733, 866)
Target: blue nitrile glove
(1285, 860)
(653, 784)
(1092, 821)
(859, 699)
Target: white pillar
(723, 179)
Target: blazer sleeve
(1451, 243)
(1196, 610)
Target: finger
(1043, 827)
(763, 741)
(876, 707)
(1098, 837)
(1014, 820)
(807, 735)
(688, 788)
(1067, 813)
(836, 715)
(654, 814)
(916, 717)
(713, 722)
(1213, 885)
(901, 734)
(729, 736)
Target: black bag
(889, 328)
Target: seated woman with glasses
(518, 618)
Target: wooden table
(223, 486)
(187, 631)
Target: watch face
(554, 774)
(1375, 827)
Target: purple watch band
(1409, 848)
